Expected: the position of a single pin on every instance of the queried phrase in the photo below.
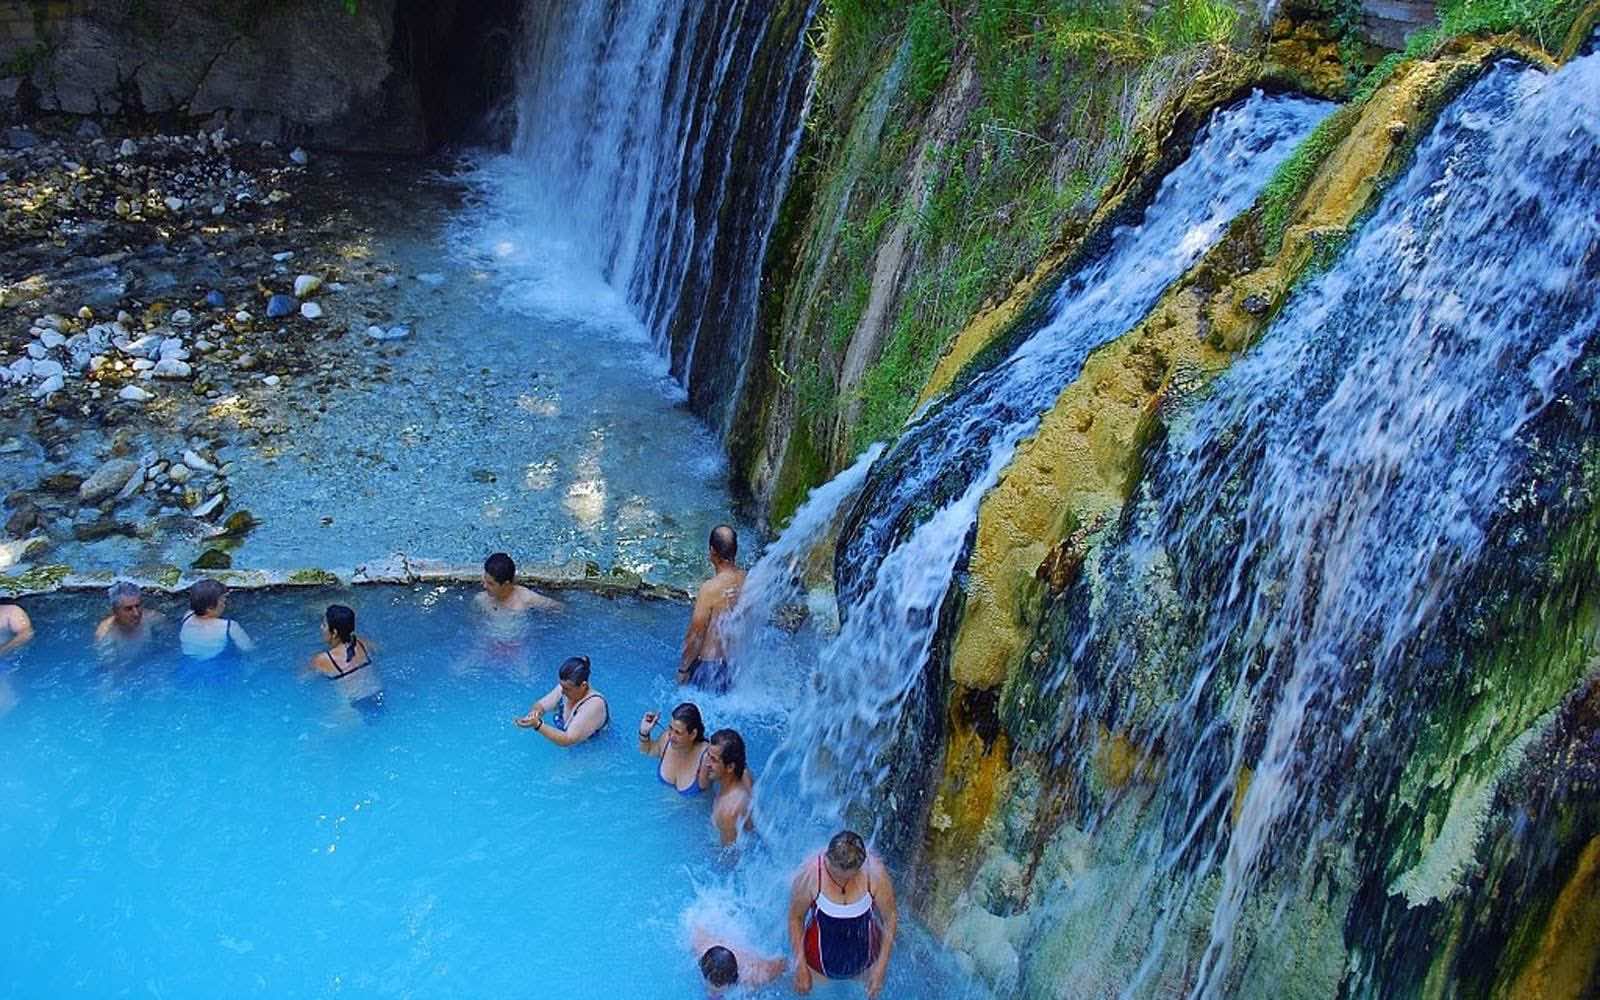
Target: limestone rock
(107, 480)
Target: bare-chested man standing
(704, 662)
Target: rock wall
(389, 76)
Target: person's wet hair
(688, 713)
(847, 851)
(342, 623)
(575, 670)
(719, 966)
(205, 595)
(730, 747)
(122, 590)
(500, 568)
(725, 542)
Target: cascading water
(653, 146)
(868, 684)
(1261, 629)
(942, 453)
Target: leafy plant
(928, 34)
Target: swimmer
(204, 634)
(725, 766)
(125, 632)
(502, 595)
(842, 916)
(581, 711)
(17, 628)
(348, 662)
(682, 748)
(704, 661)
(724, 965)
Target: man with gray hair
(125, 632)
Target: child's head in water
(720, 968)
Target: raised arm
(889, 913)
(649, 744)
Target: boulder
(107, 480)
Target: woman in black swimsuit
(348, 662)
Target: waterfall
(944, 452)
(779, 589)
(865, 714)
(1261, 628)
(654, 143)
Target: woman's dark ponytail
(342, 623)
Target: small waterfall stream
(1259, 626)
(944, 452)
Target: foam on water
(250, 836)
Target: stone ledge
(398, 568)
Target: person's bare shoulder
(14, 617)
(530, 599)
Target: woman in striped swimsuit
(842, 916)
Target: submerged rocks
(306, 285)
(310, 310)
(135, 394)
(213, 559)
(107, 480)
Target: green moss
(803, 467)
(313, 578)
(39, 578)
(1541, 642)
(1294, 174)
(928, 32)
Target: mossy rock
(239, 523)
(313, 578)
(213, 559)
(40, 578)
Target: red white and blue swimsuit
(841, 939)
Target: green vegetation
(313, 578)
(1294, 175)
(1060, 88)
(928, 34)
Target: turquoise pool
(248, 835)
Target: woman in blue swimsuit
(681, 747)
(579, 711)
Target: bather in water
(348, 663)
(681, 748)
